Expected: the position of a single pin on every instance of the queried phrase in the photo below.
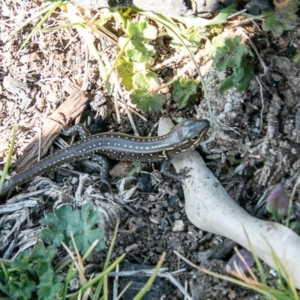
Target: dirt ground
(253, 145)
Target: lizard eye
(195, 139)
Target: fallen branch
(210, 208)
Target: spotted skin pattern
(118, 146)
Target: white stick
(210, 208)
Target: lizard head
(193, 129)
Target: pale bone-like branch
(209, 207)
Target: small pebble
(178, 226)
(163, 223)
(131, 247)
(176, 215)
(232, 295)
(74, 180)
(173, 201)
(203, 255)
(144, 183)
(283, 64)
(121, 169)
(154, 220)
(151, 198)
(178, 186)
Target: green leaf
(22, 261)
(145, 95)
(139, 52)
(235, 58)
(230, 43)
(271, 23)
(288, 23)
(183, 89)
(240, 78)
(283, 18)
(238, 74)
(222, 16)
(64, 221)
(227, 84)
(139, 81)
(195, 35)
(49, 286)
(145, 100)
(15, 279)
(240, 51)
(141, 31)
(269, 20)
(31, 273)
(19, 286)
(82, 226)
(221, 59)
(245, 81)
(148, 81)
(125, 70)
(231, 54)
(137, 35)
(42, 258)
(57, 223)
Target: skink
(183, 137)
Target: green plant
(65, 222)
(134, 69)
(234, 57)
(8, 161)
(296, 58)
(182, 90)
(194, 29)
(133, 62)
(30, 275)
(282, 18)
(33, 274)
(145, 92)
(136, 55)
(136, 168)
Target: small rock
(176, 215)
(163, 223)
(151, 198)
(178, 186)
(131, 247)
(144, 183)
(121, 169)
(203, 255)
(178, 226)
(173, 201)
(175, 243)
(154, 220)
(156, 177)
(235, 261)
(283, 64)
(74, 180)
(232, 295)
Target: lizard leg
(76, 129)
(177, 176)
